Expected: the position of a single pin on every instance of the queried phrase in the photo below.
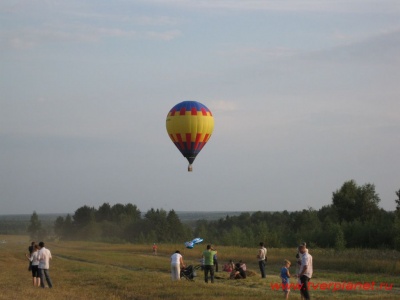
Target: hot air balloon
(190, 125)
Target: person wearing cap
(306, 271)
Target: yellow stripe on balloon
(193, 124)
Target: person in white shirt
(33, 258)
(44, 257)
(306, 271)
(176, 263)
(261, 255)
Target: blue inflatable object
(189, 245)
(197, 241)
(193, 242)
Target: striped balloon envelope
(190, 125)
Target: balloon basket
(190, 168)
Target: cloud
(27, 26)
(223, 106)
(258, 53)
(25, 38)
(28, 38)
(358, 6)
(382, 47)
(162, 35)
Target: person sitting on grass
(243, 265)
(230, 266)
(238, 272)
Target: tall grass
(87, 270)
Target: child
(285, 275)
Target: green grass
(88, 270)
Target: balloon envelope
(189, 126)
(197, 240)
(189, 245)
(193, 242)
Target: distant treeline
(121, 223)
(353, 219)
(18, 224)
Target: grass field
(88, 270)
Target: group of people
(39, 263)
(304, 272)
(208, 264)
(238, 270)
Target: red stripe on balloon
(182, 111)
(179, 137)
(198, 136)
(188, 141)
(204, 141)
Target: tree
(83, 216)
(354, 202)
(68, 231)
(59, 227)
(201, 229)
(157, 222)
(117, 211)
(328, 212)
(397, 201)
(396, 230)
(35, 230)
(132, 212)
(396, 227)
(104, 213)
(344, 200)
(176, 229)
(340, 241)
(367, 202)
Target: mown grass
(88, 270)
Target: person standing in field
(215, 258)
(31, 248)
(208, 255)
(285, 275)
(176, 263)
(154, 249)
(298, 264)
(44, 256)
(306, 271)
(261, 255)
(34, 263)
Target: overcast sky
(305, 95)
